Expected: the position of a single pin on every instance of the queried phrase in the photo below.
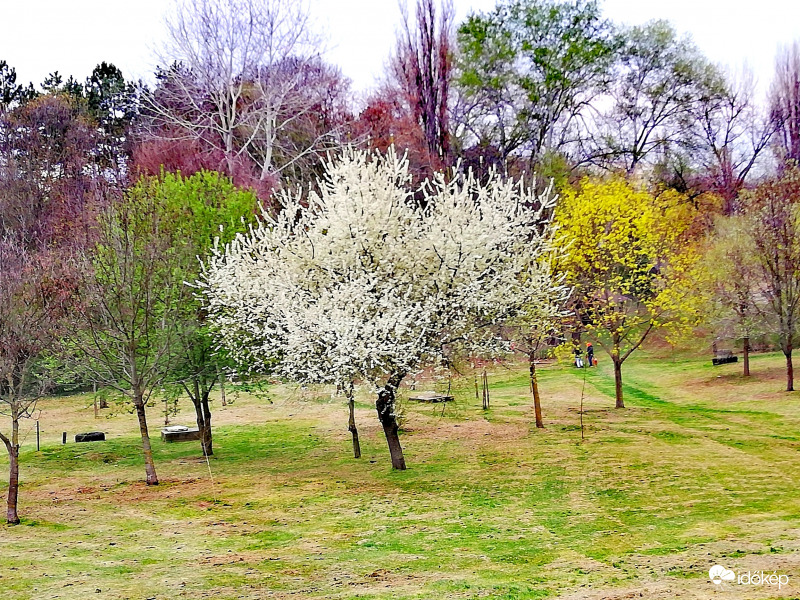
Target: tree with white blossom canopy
(366, 280)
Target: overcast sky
(72, 36)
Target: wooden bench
(431, 397)
(179, 433)
(724, 357)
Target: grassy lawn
(701, 468)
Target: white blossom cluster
(366, 279)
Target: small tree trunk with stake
(13, 485)
(103, 401)
(617, 359)
(746, 355)
(485, 391)
(221, 379)
(12, 446)
(583, 392)
(618, 381)
(351, 425)
(200, 400)
(206, 439)
(149, 464)
(537, 406)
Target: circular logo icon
(718, 574)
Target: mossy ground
(702, 467)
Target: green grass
(700, 468)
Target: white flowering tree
(368, 280)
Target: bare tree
(422, 69)
(313, 124)
(236, 80)
(785, 103)
(31, 307)
(47, 175)
(660, 77)
(772, 213)
(729, 136)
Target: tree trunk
(221, 379)
(103, 401)
(385, 406)
(351, 424)
(537, 406)
(789, 370)
(203, 419)
(206, 437)
(13, 476)
(149, 465)
(485, 390)
(13, 486)
(618, 381)
(202, 416)
(746, 357)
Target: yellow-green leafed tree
(630, 259)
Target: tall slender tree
(34, 296)
(131, 295)
(199, 211)
(422, 69)
(772, 220)
(734, 279)
(785, 103)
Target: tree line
(534, 172)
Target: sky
(72, 36)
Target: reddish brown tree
(50, 179)
(47, 146)
(384, 122)
(176, 154)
